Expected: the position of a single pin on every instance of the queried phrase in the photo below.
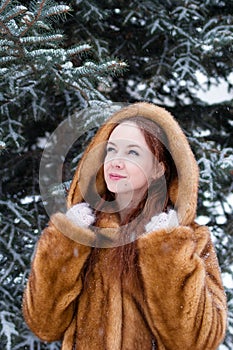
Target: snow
(223, 347)
(228, 279)
(2, 145)
(30, 199)
(8, 328)
(217, 93)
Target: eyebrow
(131, 145)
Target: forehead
(127, 131)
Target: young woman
(127, 267)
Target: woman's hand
(81, 215)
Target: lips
(114, 176)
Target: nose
(117, 163)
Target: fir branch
(60, 190)
(73, 85)
(57, 10)
(17, 211)
(4, 28)
(79, 49)
(219, 35)
(182, 13)
(7, 59)
(8, 328)
(42, 25)
(12, 133)
(6, 50)
(16, 11)
(6, 42)
(59, 53)
(41, 10)
(184, 34)
(4, 5)
(91, 68)
(41, 39)
(30, 24)
(12, 28)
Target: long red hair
(154, 201)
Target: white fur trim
(163, 220)
(81, 215)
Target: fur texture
(173, 297)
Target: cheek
(137, 172)
(141, 173)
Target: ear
(159, 170)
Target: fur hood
(183, 190)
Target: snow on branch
(6, 42)
(18, 211)
(33, 56)
(42, 25)
(2, 145)
(14, 12)
(15, 136)
(8, 328)
(11, 28)
(186, 13)
(219, 35)
(91, 68)
(41, 39)
(7, 59)
(79, 49)
(4, 4)
(57, 10)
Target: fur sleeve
(54, 284)
(185, 300)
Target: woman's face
(129, 165)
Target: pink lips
(114, 176)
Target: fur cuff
(71, 230)
(81, 215)
(163, 221)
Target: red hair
(123, 259)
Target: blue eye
(133, 152)
(110, 149)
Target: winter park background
(58, 59)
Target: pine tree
(43, 80)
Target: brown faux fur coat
(174, 300)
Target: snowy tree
(43, 80)
(55, 61)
